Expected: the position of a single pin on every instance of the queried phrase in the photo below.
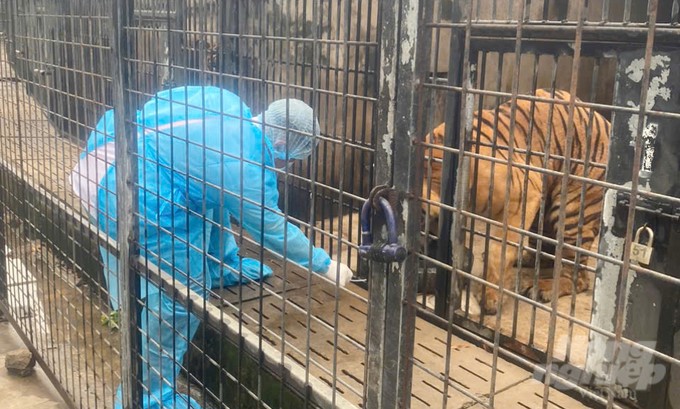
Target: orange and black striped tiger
(540, 141)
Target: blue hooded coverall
(196, 169)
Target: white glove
(338, 272)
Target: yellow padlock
(642, 253)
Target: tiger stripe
(538, 126)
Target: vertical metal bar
(453, 167)
(635, 184)
(126, 196)
(566, 166)
(377, 279)
(330, 107)
(504, 235)
(475, 139)
(3, 254)
(582, 207)
(542, 210)
(341, 185)
(626, 11)
(8, 16)
(392, 287)
(525, 188)
(605, 11)
(242, 48)
(444, 279)
(286, 268)
(546, 10)
(313, 160)
(19, 128)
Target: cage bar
(381, 76)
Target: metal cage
(486, 168)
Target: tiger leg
(568, 283)
(511, 249)
(574, 275)
(496, 269)
(530, 251)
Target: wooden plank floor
(332, 327)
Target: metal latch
(390, 252)
(650, 206)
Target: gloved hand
(340, 272)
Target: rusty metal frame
(392, 286)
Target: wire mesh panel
(213, 194)
(52, 267)
(84, 79)
(182, 182)
(539, 134)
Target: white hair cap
(298, 135)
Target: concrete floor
(34, 391)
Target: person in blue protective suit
(203, 159)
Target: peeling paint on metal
(605, 287)
(401, 239)
(470, 101)
(388, 86)
(636, 69)
(649, 134)
(410, 25)
(404, 216)
(660, 69)
(387, 142)
(404, 206)
(605, 282)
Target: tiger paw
(545, 296)
(542, 293)
(490, 302)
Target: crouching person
(203, 159)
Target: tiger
(589, 156)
